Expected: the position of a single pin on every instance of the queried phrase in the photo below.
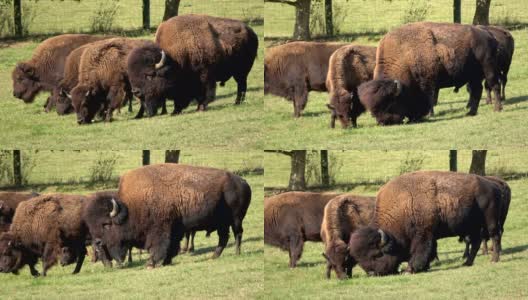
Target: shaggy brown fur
(292, 218)
(103, 80)
(9, 202)
(415, 209)
(165, 200)
(293, 69)
(342, 216)
(349, 67)
(44, 70)
(69, 81)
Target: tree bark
(171, 9)
(172, 156)
(17, 168)
(329, 20)
(146, 157)
(478, 162)
(298, 166)
(452, 160)
(17, 6)
(302, 20)
(325, 175)
(482, 12)
(457, 11)
(146, 14)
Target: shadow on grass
(270, 191)
(201, 251)
(345, 37)
(63, 186)
(233, 94)
(516, 100)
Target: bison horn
(383, 239)
(162, 60)
(87, 93)
(398, 87)
(115, 209)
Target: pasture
(449, 128)
(194, 276)
(363, 172)
(224, 125)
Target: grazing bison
(292, 218)
(69, 81)
(9, 201)
(158, 203)
(349, 67)
(42, 227)
(342, 216)
(415, 209)
(103, 81)
(415, 60)
(193, 52)
(44, 70)
(294, 69)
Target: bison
(44, 70)
(342, 216)
(292, 218)
(415, 60)
(157, 204)
(191, 54)
(416, 209)
(9, 202)
(103, 80)
(294, 69)
(349, 66)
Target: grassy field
(447, 279)
(449, 128)
(194, 276)
(224, 126)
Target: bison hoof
(467, 263)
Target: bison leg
(421, 252)
(49, 257)
(475, 245)
(130, 255)
(488, 92)
(475, 92)
(241, 89)
(299, 100)
(80, 260)
(186, 246)
(164, 107)
(357, 109)
(296, 249)
(223, 237)
(504, 80)
(237, 232)
(31, 263)
(484, 247)
(160, 241)
(191, 248)
(493, 81)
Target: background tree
(171, 9)
(298, 167)
(329, 22)
(17, 168)
(453, 160)
(482, 12)
(301, 30)
(172, 156)
(478, 162)
(325, 174)
(457, 11)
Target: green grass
(224, 125)
(446, 279)
(195, 276)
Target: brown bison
(9, 202)
(292, 218)
(415, 60)
(42, 227)
(158, 203)
(342, 216)
(44, 70)
(191, 54)
(416, 209)
(103, 80)
(294, 69)
(349, 67)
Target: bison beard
(383, 98)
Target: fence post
(325, 175)
(17, 168)
(172, 156)
(18, 17)
(457, 14)
(452, 160)
(146, 157)
(146, 14)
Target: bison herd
(400, 79)
(96, 75)
(401, 224)
(153, 209)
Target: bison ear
(27, 69)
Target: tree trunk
(478, 162)
(146, 14)
(172, 156)
(325, 175)
(298, 166)
(452, 160)
(302, 20)
(146, 157)
(457, 11)
(171, 9)
(17, 6)
(482, 12)
(329, 18)
(17, 168)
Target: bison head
(381, 98)
(374, 250)
(67, 256)
(85, 103)
(63, 101)
(25, 83)
(337, 259)
(151, 74)
(105, 215)
(11, 254)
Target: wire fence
(349, 169)
(367, 17)
(78, 16)
(61, 168)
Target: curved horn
(162, 60)
(115, 208)
(383, 239)
(398, 87)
